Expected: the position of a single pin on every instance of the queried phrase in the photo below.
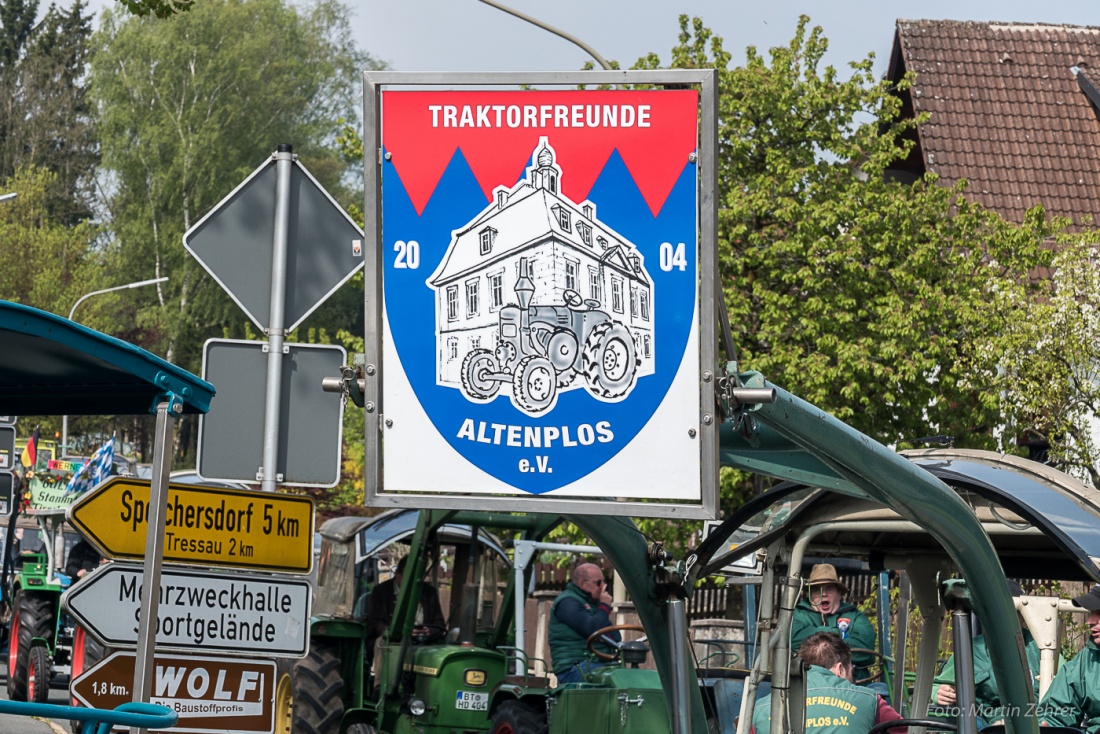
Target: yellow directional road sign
(204, 525)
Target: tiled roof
(1006, 111)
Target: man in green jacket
(985, 684)
(824, 610)
(583, 607)
(1074, 696)
(834, 705)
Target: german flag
(30, 452)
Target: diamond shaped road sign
(234, 242)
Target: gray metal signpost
(279, 245)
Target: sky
(469, 35)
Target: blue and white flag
(95, 470)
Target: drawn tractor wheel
(610, 360)
(476, 368)
(535, 384)
(32, 617)
(318, 692)
(514, 717)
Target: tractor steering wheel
(573, 299)
(881, 663)
(430, 633)
(593, 638)
(941, 724)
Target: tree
(1047, 379)
(188, 106)
(863, 295)
(44, 115)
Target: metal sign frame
(377, 493)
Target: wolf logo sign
(540, 277)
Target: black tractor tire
(534, 384)
(318, 692)
(38, 675)
(86, 652)
(516, 717)
(284, 696)
(610, 360)
(33, 616)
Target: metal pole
(154, 554)
(138, 284)
(680, 709)
(547, 27)
(284, 159)
(964, 671)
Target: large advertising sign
(544, 278)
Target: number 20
(408, 255)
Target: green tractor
(41, 635)
(336, 682)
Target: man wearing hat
(824, 610)
(1074, 696)
(985, 685)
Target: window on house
(585, 232)
(633, 302)
(571, 268)
(616, 294)
(488, 237)
(496, 290)
(643, 303)
(562, 215)
(475, 342)
(472, 298)
(452, 347)
(595, 284)
(647, 346)
(452, 303)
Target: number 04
(673, 257)
(408, 255)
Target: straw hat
(825, 573)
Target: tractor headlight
(416, 706)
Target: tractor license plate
(467, 701)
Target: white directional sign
(240, 614)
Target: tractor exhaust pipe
(525, 289)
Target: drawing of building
(535, 292)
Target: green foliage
(1048, 358)
(188, 106)
(47, 264)
(44, 117)
(158, 8)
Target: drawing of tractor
(543, 348)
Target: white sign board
(545, 298)
(230, 612)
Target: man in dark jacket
(383, 599)
(583, 607)
(82, 560)
(825, 610)
(1073, 698)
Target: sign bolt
(389, 423)
(707, 376)
(370, 369)
(369, 407)
(691, 433)
(389, 156)
(707, 419)
(693, 157)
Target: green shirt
(985, 684)
(833, 706)
(847, 621)
(1075, 693)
